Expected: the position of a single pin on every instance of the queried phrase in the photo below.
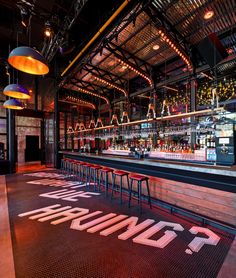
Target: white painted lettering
(133, 228)
(67, 215)
(198, 242)
(44, 211)
(76, 222)
(143, 238)
(107, 223)
(75, 225)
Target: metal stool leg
(113, 185)
(140, 196)
(130, 191)
(121, 189)
(149, 196)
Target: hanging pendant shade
(28, 60)
(16, 91)
(13, 104)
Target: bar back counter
(207, 191)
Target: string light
(112, 85)
(92, 94)
(79, 101)
(136, 71)
(173, 45)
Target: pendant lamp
(16, 91)
(99, 122)
(13, 104)
(28, 60)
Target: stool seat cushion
(120, 173)
(107, 169)
(138, 177)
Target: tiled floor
(65, 245)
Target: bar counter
(208, 191)
(217, 177)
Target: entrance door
(32, 148)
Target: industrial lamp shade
(13, 104)
(16, 91)
(28, 60)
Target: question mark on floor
(198, 242)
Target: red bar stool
(104, 172)
(68, 167)
(84, 171)
(120, 174)
(63, 166)
(93, 175)
(77, 170)
(140, 179)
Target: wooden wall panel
(213, 203)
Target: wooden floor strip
(228, 269)
(7, 269)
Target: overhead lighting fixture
(13, 104)
(16, 91)
(48, 29)
(208, 15)
(155, 47)
(47, 33)
(28, 60)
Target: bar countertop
(210, 176)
